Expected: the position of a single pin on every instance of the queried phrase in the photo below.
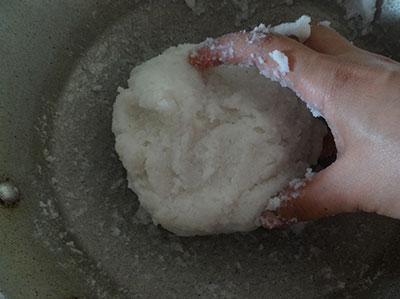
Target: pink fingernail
(270, 220)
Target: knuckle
(342, 75)
(347, 74)
(393, 77)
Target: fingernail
(271, 220)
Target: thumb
(324, 194)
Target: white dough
(301, 28)
(282, 61)
(206, 150)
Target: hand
(358, 94)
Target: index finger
(276, 56)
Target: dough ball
(206, 150)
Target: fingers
(307, 69)
(231, 49)
(328, 41)
(276, 56)
(324, 195)
(249, 48)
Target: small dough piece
(282, 61)
(301, 28)
(206, 150)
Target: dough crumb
(282, 61)
(300, 28)
(294, 187)
(326, 24)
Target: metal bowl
(75, 233)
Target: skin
(358, 94)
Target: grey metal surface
(74, 233)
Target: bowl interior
(76, 227)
